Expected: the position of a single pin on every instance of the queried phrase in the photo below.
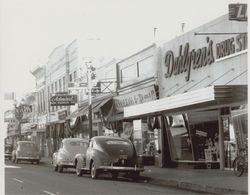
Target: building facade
(202, 86)
(136, 84)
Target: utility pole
(88, 64)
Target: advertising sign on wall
(63, 100)
(136, 97)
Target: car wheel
(32, 162)
(56, 168)
(60, 168)
(93, 171)
(38, 162)
(79, 172)
(115, 175)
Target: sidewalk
(200, 180)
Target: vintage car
(26, 151)
(109, 154)
(8, 151)
(65, 156)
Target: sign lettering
(196, 59)
(136, 97)
(63, 100)
(238, 12)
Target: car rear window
(28, 146)
(117, 142)
(77, 143)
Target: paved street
(26, 178)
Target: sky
(31, 29)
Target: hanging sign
(238, 12)
(63, 100)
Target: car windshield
(28, 147)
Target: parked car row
(99, 155)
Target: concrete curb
(193, 187)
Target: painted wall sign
(63, 100)
(62, 115)
(135, 97)
(201, 57)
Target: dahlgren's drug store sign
(202, 58)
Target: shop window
(179, 138)
(204, 129)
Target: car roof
(103, 138)
(66, 140)
(20, 142)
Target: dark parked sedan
(109, 154)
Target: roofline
(152, 45)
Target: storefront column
(221, 141)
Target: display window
(179, 138)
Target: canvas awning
(205, 98)
(97, 103)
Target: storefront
(78, 121)
(202, 82)
(136, 84)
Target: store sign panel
(136, 97)
(238, 12)
(63, 100)
(191, 59)
(62, 115)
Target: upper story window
(52, 88)
(64, 89)
(60, 84)
(75, 75)
(128, 73)
(55, 86)
(70, 78)
(141, 69)
(146, 67)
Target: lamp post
(88, 64)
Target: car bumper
(116, 168)
(28, 158)
(67, 164)
(7, 155)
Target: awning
(97, 103)
(116, 117)
(209, 97)
(28, 126)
